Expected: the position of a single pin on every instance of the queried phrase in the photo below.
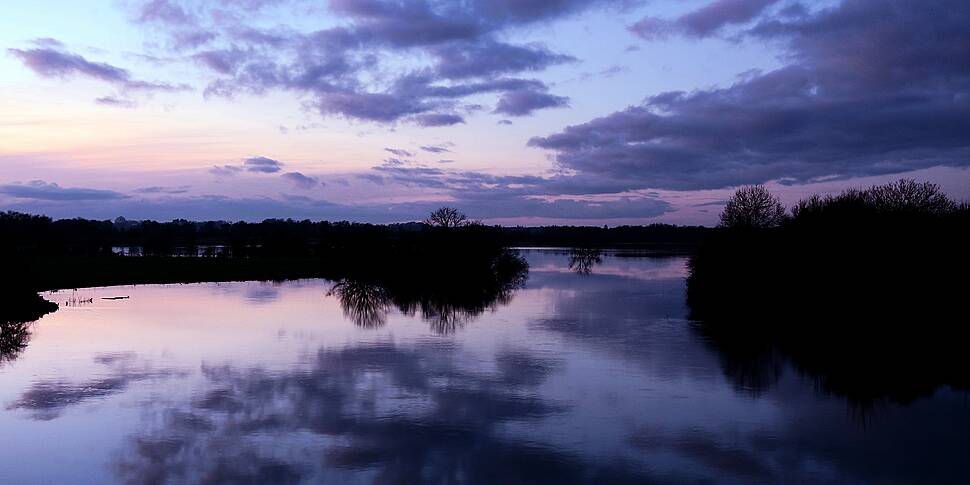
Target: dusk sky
(515, 111)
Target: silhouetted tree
(447, 217)
(909, 196)
(752, 207)
(901, 200)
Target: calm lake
(576, 378)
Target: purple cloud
(437, 119)
(225, 170)
(224, 61)
(156, 189)
(301, 181)
(523, 102)
(40, 190)
(262, 165)
(434, 149)
(113, 101)
(164, 11)
(488, 57)
(872, 87)
(214, 207)
(704, 21)
(48, 62)
(333, 66)
(399, 152)
(48, 43)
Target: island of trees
(865, 290)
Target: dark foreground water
(590, 378)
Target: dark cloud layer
(871, 87)
(40, 190)
(479, 195)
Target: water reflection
(18, 310)
(594, 378)
(14, 337)
(390, 410)
(583, 260)
(881, 367)
(46, 399)
(364, 303)
(446, 304)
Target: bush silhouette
(752, 207)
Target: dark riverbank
(866, 291)
(462, 267)
(468, 262)
(888, 252)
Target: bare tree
(907, 195)
(752, 207)
(447, 217)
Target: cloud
(489, 57)
(40, 190)
(479, 194)
(704, 21)
(164, 11)
(434, 149)
(225, 170)
(399, 152)
(437, 119)
(524, 102)
(262, 165)
(113, 101)
(346, 69)
(47, 42)
(224, 61)
(53, 62)
(871, 88)
(301, 181)
(155, 189)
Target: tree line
(35, 234)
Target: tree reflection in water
(18, 310)
(366, 304)
(864, 367)
(446, 303)
(14, 337)
(583, 260)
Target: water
(594, 378)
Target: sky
(522, 112)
